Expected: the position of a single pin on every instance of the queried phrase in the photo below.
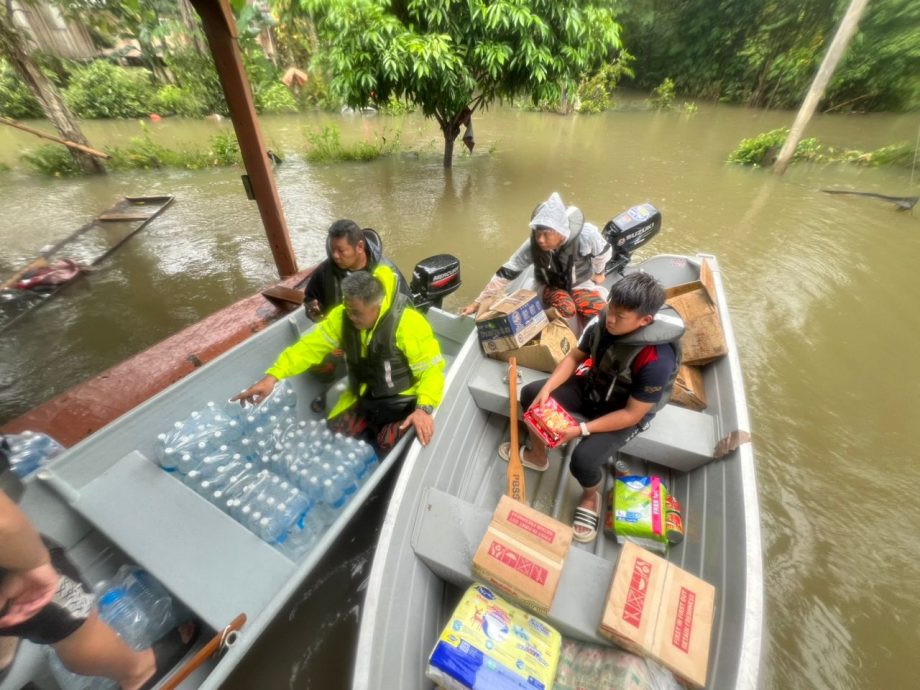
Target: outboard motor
(433, 279)
(628, 231)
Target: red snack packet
(549, 422)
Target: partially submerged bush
(595, 95)
(52, 159)
(176, 100)
(763, 149)
(102, 90)
(326, 146)
(663, 95)
(144, 153)
(274, 98)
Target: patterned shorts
(351, 423)
(585, 303)
(62, 616)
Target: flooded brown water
(822, 291)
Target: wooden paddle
(203, 654)
(515, 467)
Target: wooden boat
(108, 502)
(446, 492)
(86, 247)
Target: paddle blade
(516, 488)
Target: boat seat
(678, 438)
(214, 565)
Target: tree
(12, 47)
(453, 57)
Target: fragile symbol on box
(635, 597)
(517, 562)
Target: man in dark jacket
(348, 249)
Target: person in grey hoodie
(569, 257)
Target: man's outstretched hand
(257, 392)
(423, 423)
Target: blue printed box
(511, 321)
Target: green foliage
(763, 149)
(594, 93)
(102, 90)
(16, 100)
(196, 74)
(765, 53)
(52, 159)
(176, 100)
(274, 98)
(663, 95)
(453, 57)
(4, 167)
(325, 146)
(689, 108)
(396, 107)
(144, 153)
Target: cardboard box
(689, 390)
(511, 321)
(657, 610)
(704, 340)
(522, 554)
(544, 352)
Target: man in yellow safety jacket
(394, 363)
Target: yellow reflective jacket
(414, 338)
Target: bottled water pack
(283, 478)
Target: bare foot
(533, 458)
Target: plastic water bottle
(346, 480)
(303, 534)
(152, 599)
(366, 454)
(333, 496)
(122, 613)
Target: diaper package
(488, 644)
(637, 512)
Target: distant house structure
(48, 30)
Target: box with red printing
(549, 421)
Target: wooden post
(844, 33)
(220, 30)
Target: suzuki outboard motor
(628, 231)
(433, 279)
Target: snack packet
(549, 422)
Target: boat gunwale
(750, 654)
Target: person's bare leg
(8, 646)
(590, 499)
(96, 650)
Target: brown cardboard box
(546, 351)
(704, 340)
(660, 611)
(689, 390)
(510, 321)
(522, 554)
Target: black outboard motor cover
(434, 279)
(630, 230)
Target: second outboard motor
(628, 231)
(433, 279)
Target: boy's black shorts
(62, 616)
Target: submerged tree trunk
(13, 49)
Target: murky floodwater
(822, 291)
